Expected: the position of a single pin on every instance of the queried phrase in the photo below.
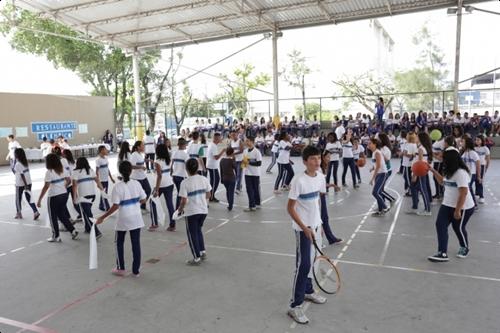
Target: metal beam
(325, 11)
(388, 2)
(154, 12)
(82, 5)
(457, 55)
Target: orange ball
(361, 162)
(420, 168)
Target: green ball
(435, 135)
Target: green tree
(237, 87)
(295, 75)
(428, 75)
(315, 109)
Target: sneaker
(136, 275)
(18, 216)
(439, 257)
(258, 207)
(153, 228)
(54, 240)
(36, 216)
(412, 211)
(194, 262)
(463, 252)
(118, 272)
(378, 214)
(337, 241)
(386, 210)
(229, 209)
(315, 298)
(480, 200)
(424, 213)
(344, 185)
(74, 235)
(298, 315)
(356, 185)
(203, 255)
(171, 228)
(407, 194)
(252, 209)
(214, 200)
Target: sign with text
(52, 130)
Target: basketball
(420, 168)
(435, 135)
(361, 162)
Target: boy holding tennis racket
(304, 208)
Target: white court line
(3, 254)
(267, 200)
(18, 249)
(391, 229)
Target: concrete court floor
(245, 286)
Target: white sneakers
(297, 313)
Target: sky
(331, 51)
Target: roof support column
(137, 95)
(276, 35)
(457, 55)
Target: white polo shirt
(127, 196)
(166, 178)
(136, 159)
(334, 148)
(20, 169)
(347, 150)
(85, 182)
(179, 158)
(306, 191)
(482, 151)
(212, 150)
(284, 152)
(253, 156)
(470, 157)
(276, 146)
(194, 188)
(459, 179)
(102, 168)
(56, 181)
(149, 144)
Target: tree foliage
(295, 75)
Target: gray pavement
(245, 285)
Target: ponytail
(125, 169)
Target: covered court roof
(140, 24)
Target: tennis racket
(325, 273)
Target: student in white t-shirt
(252, 159)
(179, 158)
(195, 150)
(484, 156)
(137, 161)
(285, 173)
(84, 183)
(213, 164)
(473, 163)
(103, 174)
(358, 151)
(457, 206)
(194, 192)
(437, 154)
(68, 163)
(274, 153)
(348, 159)
(23, 183)
(164, 184)
(45, 147)
(421, 183)
(149, 150)
(56, 181)
(126, 197)
(13, 145)
(409, 151)
(237, 145)
(304, 209)
(378, 176)
(335, 148)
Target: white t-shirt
(297, 140)
(85, 182)
(212, 150)
(387, 157)
(276, 146)
(459, 179)
(357, 151)
(194, 188)
(46, 148)
(166, 178)
(149, 145)
(102, 168)
(340, 131)
(13, 145)
(347, 150)
(236, 146)
(438, 147)
(194, 150)
(306, 191)
(128, 196)
(253, 156)
(470, 157)
(482, 151)
(179, 158)
(259, 140)
(410, 148)
(57, 182)
(334, 148)
(425, 154)
(284, 152)
(66, 166)
(383, 166)
(136, 159)
(269, 139)
(20, 169)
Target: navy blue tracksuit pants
(479, 186)
(444, 218)
(333, 165)
(421, 185)
(378, 188)
(302, 283)
(252, 184)
(146, 187)
(167, 194)
(214, 181)
(104, 203)
(57, 209)
(177, 181)
(348, 162)
(324, 218)
(194, 223)
(135, 239)
(230, 186)
(19, 198)
(86, 209)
